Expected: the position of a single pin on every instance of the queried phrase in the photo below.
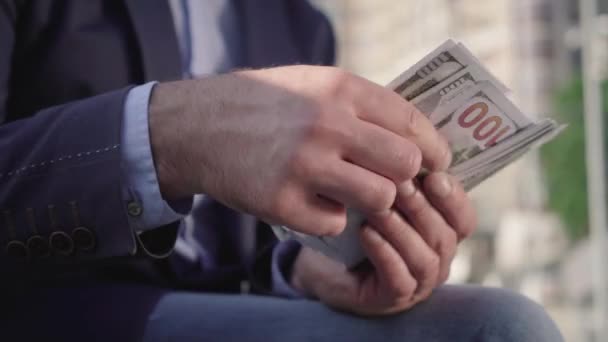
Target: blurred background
(537, 234)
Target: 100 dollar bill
(480, 118)
(439, 65)
(450, 90)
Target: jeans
(452, 313)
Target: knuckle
(433, 265)
(403, 289)
(381, 195)
(300, 163)
(340, 83)
(463, 230)
(440, 155)
(427, 270)
(329, 126)
(305, 165)
(443, 243)
(409, 159)
(388, 222)
(412, 119)
(447, 245)
(416, 208)
(413, 162)
(318, 123)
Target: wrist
(166, 107)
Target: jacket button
(38, 246)
(61, 243)
(134, 209)
(84, 240)
(17, 250)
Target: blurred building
(520, 41)
(532, 46)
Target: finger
(430, 224)
(447, 195)
(383, 152)
(390, 268)
(387, 109)
(422, 261)
(311, 214)
(354, 186)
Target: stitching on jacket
(22, 170)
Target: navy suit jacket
(65, 69)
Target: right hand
(410, 248)
(290, 145)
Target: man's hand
(410, 250)
(290, 145)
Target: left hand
(410, 248)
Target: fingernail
(407, 188)
(440, 185)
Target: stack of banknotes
(468, 105)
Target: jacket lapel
(266, 33)
(155, 33)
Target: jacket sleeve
(60, 176)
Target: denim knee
(508, 316)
